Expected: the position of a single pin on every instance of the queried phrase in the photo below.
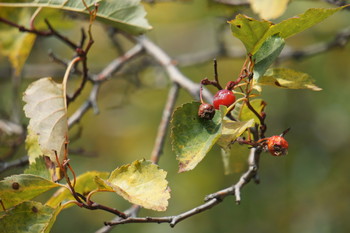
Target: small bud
(206, 111)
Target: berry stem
(216, 76)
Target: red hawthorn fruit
(223, 97)
(277, 145)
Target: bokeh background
(304, 192)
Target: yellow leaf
(14, 44)
(269, 9)
(142, 183)
(287, 78)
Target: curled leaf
(47, 110)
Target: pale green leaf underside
(192, 137)
(125, 15)
(287, 78)
(29, 217)
(253, 33)
(19, 188)
(46, 108)
(231, 130)
(85, 183)
(141, 182)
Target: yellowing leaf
(29, 217)
(287, 78)
(231, 130)
(47, 110)
(142, 183)
(19, 188)
(32, 146)
(85, 184)
(17, 45)
(269, 9)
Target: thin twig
(338, 3)
(163, 126)
(340, 40)
(131, 212)
(14, 163)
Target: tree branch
(211, 200)
(174, 73)
(14, 163)
(163, 126)
(340, 40)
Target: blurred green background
(304, 192)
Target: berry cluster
(222, 97)
(275, 145)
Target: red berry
(277, 145)
(206, 111)
(223, 97)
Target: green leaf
(250, 31)
(193, 137)
(267, 54)
(287, 78)
(47, 110)
(269, 9)
(247, 114)
(17, 45)
(84, 185)
(19, 188)
(142, 183)
(231, 130)
(128, 16)
(253, 33)
(29, 217)
(39, 168)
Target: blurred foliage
(303, 192)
